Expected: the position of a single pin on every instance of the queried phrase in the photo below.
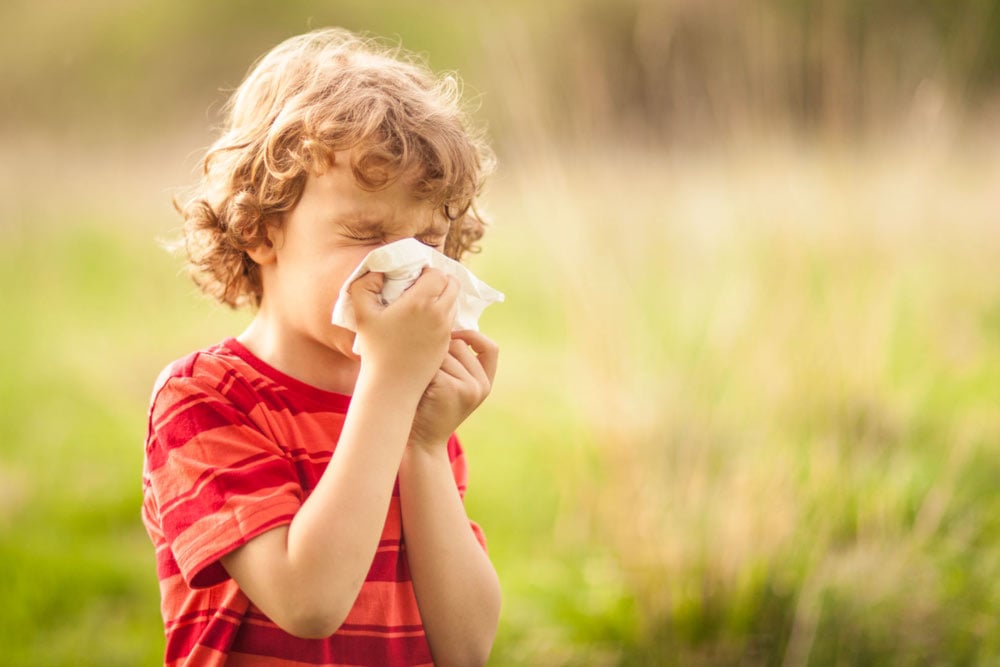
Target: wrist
(424, 444)
(388, 384)
(418, 455)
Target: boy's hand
(460, 385)
(410, 337)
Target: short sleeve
(217, 479)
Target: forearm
(308, 583)
(336, 532)
(456, 586)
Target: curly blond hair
(312, 96)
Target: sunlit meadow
(748, 408)
(746, 415)
(778, 378)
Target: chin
(342, 341)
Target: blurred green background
(748, 410)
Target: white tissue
(401, 263)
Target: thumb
(366, 293)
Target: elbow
(471, 650)
(479, 655)
(316, 612)
(314, 623)
(476, 650)
(309, 611)
(474, 654)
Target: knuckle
(432, 274)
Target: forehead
(339, 198)
(427, 222)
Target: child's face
(321, 241)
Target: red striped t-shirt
(233, 448)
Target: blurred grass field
(746, 415)
(748, 408)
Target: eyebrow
(362, 225)
(373, 226)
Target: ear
(263, 253)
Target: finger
(442, 288)
(465, 355)
(369, 282)
(454, 368)
(450, 290)
(366, 293)
(449, 298)
(487, 352)
(429, 284)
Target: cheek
(328, 287)
(346, 264)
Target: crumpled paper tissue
(401, 263)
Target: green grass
(93, 306)
(746, 414)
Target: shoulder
(215, 369)
(209, 363)
(213, 379)
(210, 393)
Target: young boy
(305, 501)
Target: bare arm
(456, 586)
(306, 576)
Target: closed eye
(436, 242)
(365, 238)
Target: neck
(299, 356)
